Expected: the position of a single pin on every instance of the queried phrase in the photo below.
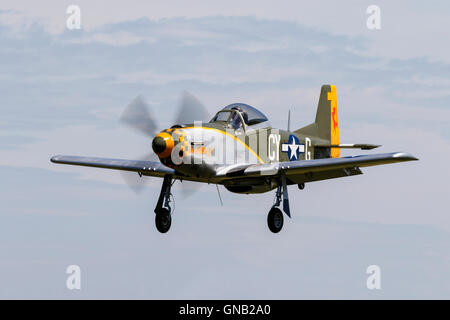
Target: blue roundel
(293, 148)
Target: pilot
(236, 120)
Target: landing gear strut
(275, 218)
(163, 219)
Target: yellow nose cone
(163, 144)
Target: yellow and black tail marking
(326, 125)
(334, 125)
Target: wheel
(275, 220)
(301, 186)
(163, 220)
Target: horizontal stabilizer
(318, 165)
(362, 146)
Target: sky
(62, 92)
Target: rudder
(326, 125)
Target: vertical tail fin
(326, 125)
(327, 117)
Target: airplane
(239, 149)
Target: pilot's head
(243, 113)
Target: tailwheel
(163, 220)
(275, 220)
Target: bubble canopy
(254, 116)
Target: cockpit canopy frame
(249, 114)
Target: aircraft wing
(148, 168)
(352, 163)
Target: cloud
(9, 142)
(129, 58)
(405, 29)
(117, 39)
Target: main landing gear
(163, 219)
(275, 218)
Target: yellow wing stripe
(231, 136)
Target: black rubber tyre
(275, 220)
(163, 220)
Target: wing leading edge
(150, 168)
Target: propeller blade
(188, 188)
(191, 110)
(133, 180)
(138, 116)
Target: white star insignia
(293, 148)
